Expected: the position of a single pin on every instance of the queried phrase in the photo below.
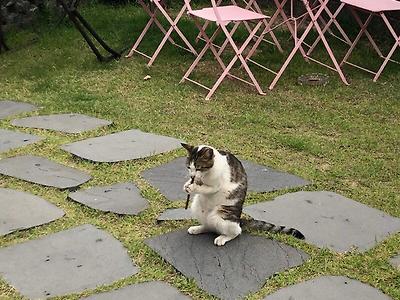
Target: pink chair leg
(313, 23)
(170, 30)
(353, 45)
(397, 44)
(209, 44)
(153, 19)
(326, 27)
(239, 56)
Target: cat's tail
(265, 226)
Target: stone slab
(395, 262)
(68, 123)
(169, 178)
(121, 198)
(42, 171)
(9, 108)
(231, 271)
(329, 288)
(328, 219)
(122, 146)
(152, 290)
(175, 214)
(20, 210)
(66, 262)
(12, 139)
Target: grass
(342, 138)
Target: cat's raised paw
(196, 229)
(189, 187)
(221, 240)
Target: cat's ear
(187, 147)
(208, 153)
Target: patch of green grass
(342, 138)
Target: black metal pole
(2, 39)
(84, 27)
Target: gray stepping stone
(329, 288)
(19, 210)
(12, 139)
(395, 261)
(42, 171)
(69, 123)
(175, 214)
(231, 271)
(153, 290)
(122, 146)
(328, 219)
(170, 178)
(10, 108)
(66, 262)
(121, 198)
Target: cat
(218, 181)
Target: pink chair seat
(375, 5)
(228, 13)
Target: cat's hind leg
(228, 230)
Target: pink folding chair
(373, 8)
(223, 16)
(152, 11)
(250, 5)
(313, 13)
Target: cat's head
(199, 159)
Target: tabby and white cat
(219, 186)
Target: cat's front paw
(197, 229)
(189, 187)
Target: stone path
(329, 288)
(169, 178)
(20, 210)
(12, 139)
(66, 262)
(328, 219)
(395, 261)
(84, 257)
(68, 123)
(42, 171)
(175, 214)
(228, 272)
(10, 108)
(122, 146)
(121, 198)
(153, 290)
